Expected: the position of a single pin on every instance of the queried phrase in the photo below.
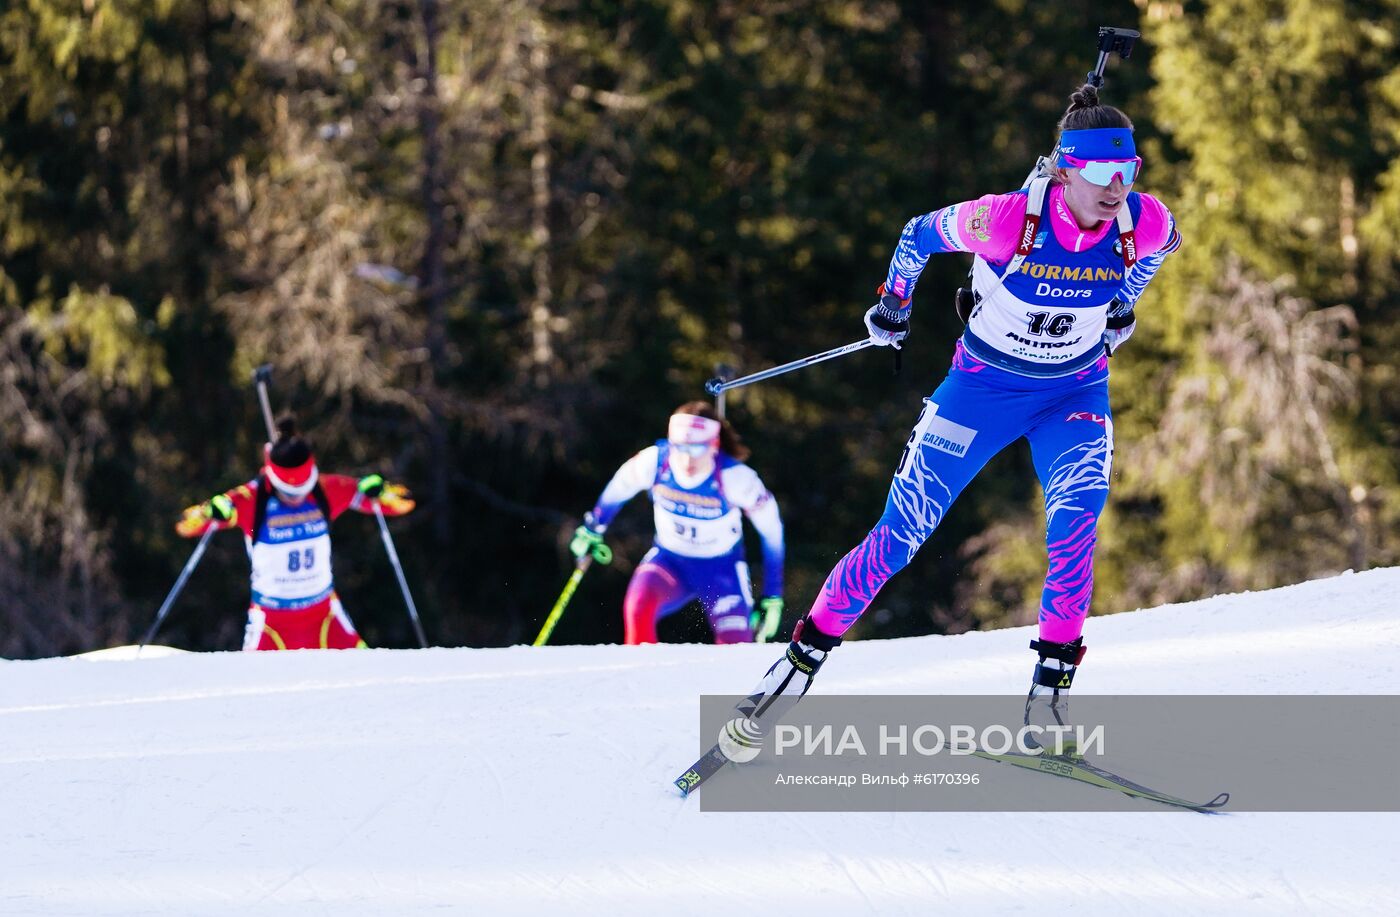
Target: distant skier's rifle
(723, 372)
(261, 377)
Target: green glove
(766, 617)
(590, 541)
(371, 486)
(219, 508)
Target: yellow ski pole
(604, 555)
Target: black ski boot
(778, 692)
(1047, 704)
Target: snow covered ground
(536, 781)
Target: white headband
(692, 428)
(299, 490)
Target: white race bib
(293, 570)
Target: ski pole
(600, 552)
(398, 571)
(557, 611)
(179, 584)
(717, 385)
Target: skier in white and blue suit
(700, 490)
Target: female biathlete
(699, 487)
(285, 515)
(1058, 267)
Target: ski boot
(1047, 704)
(778, 692)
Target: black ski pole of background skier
(175, 590)
(717, 385)
(261, 376)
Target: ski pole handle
(717, 385)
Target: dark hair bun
(1086, 112)
(1085, 96)
(290, 450)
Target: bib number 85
(301, 560)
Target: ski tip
(688, 782)
(714, 385)
(1217, 802)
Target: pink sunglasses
(1101, 172)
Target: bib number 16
(1043, 323)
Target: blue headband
(1099, 143)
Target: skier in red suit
(285, 515)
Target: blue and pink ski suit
(1032, 363)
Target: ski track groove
(854, 883)
(1298, 899)
(340, 841)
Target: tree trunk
(432, 273)
(541, 317)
